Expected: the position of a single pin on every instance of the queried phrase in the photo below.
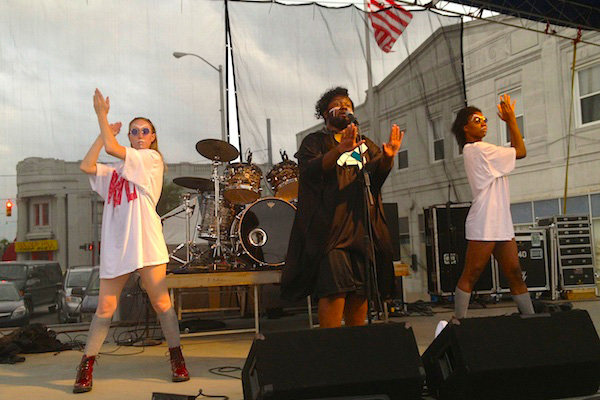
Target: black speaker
(374, 360)
(542, 356)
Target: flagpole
(370, 95)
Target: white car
(68, 309)
(12, 306)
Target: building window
(403, 227)
(404, 230)
(546, 208)
(522, 213)
(588, 84)
(41, 214)
(403, 159)
(421, 219)
(595, 200)
(515, 95)
(578, 205)
(458, 150)
(403, 153)
(436, 139)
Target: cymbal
(191, 182)
(218, 150)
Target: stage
(133, 373)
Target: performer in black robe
(326, 253)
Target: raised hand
(101, 105)
(391, 148)
(348, 140)
(506, 109)
(115, 128)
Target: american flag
(389, 23)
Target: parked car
(69, 304)
(131, 302)
(41, 280)
(89, 295)
(12, 306)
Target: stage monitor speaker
(374, 360)
(391, 216)
(542, 356)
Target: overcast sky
(54, 53)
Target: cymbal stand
(188, 217)
(217, 253)
(189, 210)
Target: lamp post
(219, 69)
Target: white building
(535, 69)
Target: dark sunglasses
(477, 119)
(136, 131)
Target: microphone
(352, 118)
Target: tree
(3, 245)
(170, 198)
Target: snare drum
(242, 183)
(262, 231)
(283, 180)
(208, 227)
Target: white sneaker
(440, 327)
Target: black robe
(312, 223)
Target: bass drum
(260, 234)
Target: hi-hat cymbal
(191, 182)
(217, 150)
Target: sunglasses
(477, 119)
(136, 131)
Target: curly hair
(462, 119)
(327, 97)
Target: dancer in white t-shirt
(489, 226)
(132, 238)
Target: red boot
(83, 382)
(180, 372)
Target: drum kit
(244, 229)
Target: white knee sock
(98, 331)
(524, 304)
(461, 303)
(170, 327)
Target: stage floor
(134, 373)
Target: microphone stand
(369, 254)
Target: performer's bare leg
(155, 283)
(478, 255)
(508, 258)
(355, 310)
(331, 310)
(108, 299)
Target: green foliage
(170, 198)
(3, 245)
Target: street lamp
(219, 69)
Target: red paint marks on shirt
(116, 189)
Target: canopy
(584, 14)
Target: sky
(54, 53)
